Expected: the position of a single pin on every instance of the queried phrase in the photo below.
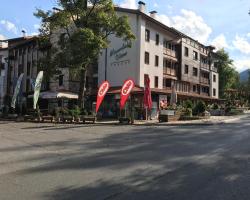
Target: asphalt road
(61, 162)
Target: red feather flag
(125, 92)
(147, 99)
(103, 89)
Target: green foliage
(199, 108)
(215, 106)
(64, 111)
(75, 112)
(228, 76)
(188, 104)
(187, 112)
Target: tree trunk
(81, 92)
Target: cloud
(156, 5)
(220, 42)
(36, 26)
(129, 4)
(4, 44)
(242, 64)
(241, 44)
(189, 23)
(2, 37)
(248, 35)
(9, 26)
(34, 34)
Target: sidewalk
(213, 120)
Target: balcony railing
(169, 52)
(204, 80)
(205, 66)
(215, 69)
(204, 94)
(169, 71)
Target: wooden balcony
(204, 81)
(169, 52)
(215, 69)
(205, 66)
(169, 71)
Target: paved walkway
(211, 121)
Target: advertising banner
(16, 92)
(103, 89)
(125, 92)
(37, 89)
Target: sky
(222, 23)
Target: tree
(77, 32)
(228, 76)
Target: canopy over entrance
(57, 95)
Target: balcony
(204, 94)
(204, 80)
(169, 52)
(215, 69)
(205, 66)
(169, 71)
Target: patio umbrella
(57, 95)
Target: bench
(85, 119)
(47, 118)
(124, 120)
(67, 119)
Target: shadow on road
(174, 163)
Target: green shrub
(215, 106)
(75, 112)
(188, 104)
(187, 112)
(199, 108)
(64, 111)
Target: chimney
(153, 14)
(142, 6)
(24, 33)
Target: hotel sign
(121, 52)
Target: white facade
(121, 62)
(124, 63)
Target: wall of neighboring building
(3, 75)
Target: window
(186, 69)
(147, 35)
(60, 80)
(165, 43)
(156, 61)
(194, 88)
(156, 81)
(146, 58)
(186, 51)
(157, 39)
(214, 78)
(195, 55)
(27, 85)
(214, 92)
(28, 68)
(195, 71)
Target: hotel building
(167, 56)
